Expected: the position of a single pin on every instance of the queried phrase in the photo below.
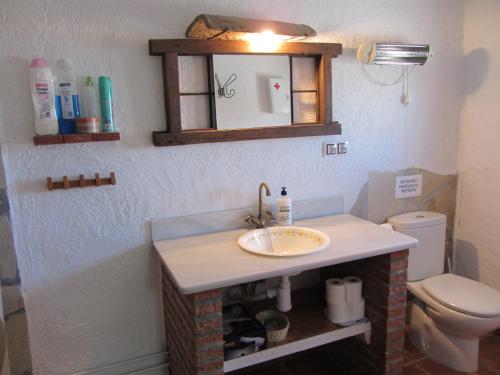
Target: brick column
(193, 330)
(384, 290)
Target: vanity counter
(209, 261)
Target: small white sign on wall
(408, 186)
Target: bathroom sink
(284, 241)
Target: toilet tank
(429, 228)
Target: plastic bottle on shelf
(106, 96)
(42, 94)
(90, 102)
(66, 97)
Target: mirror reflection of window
(305, 108)
(304, 90)
(194, 92)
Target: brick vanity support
(384, 290)
(193, 330)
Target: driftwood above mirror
(171, 49)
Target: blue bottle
(67, 107)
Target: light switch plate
(342, 147)
(330, 148)
(408, 186)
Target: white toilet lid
(464, 295)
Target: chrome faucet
(262, 220)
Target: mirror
(304, 90)
(194, 92)
(259, 94)
(249, 91)
(226, 90)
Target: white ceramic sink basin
(284, 241)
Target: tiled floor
(416, 363)
(311, 362)
(314, 362)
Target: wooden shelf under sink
(309, 328)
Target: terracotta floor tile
(434, 368)
(489, 353)
(411, 354)
(489, 365)
(487, 371)
(276, 369)
(413, 370)
(313, 362)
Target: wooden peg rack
(81, 182)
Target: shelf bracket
(366, 337)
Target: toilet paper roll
(353, 289)
(335, 291)
(338, 312)
(387, 226)
(356, 310)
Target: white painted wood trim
(155, 364)
(296, 346)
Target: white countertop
(210, 261)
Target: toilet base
(453, 352)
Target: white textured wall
(478, 245)
(90, 279)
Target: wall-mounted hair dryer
(393, 53)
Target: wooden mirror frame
(171, 49)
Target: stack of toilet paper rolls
(345, 302)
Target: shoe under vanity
(201, 265)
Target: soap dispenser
(284, 207)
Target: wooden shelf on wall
(40, 140)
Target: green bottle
(106, 95)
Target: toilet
(449, 313)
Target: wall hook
(223, 90)
(66, 183)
